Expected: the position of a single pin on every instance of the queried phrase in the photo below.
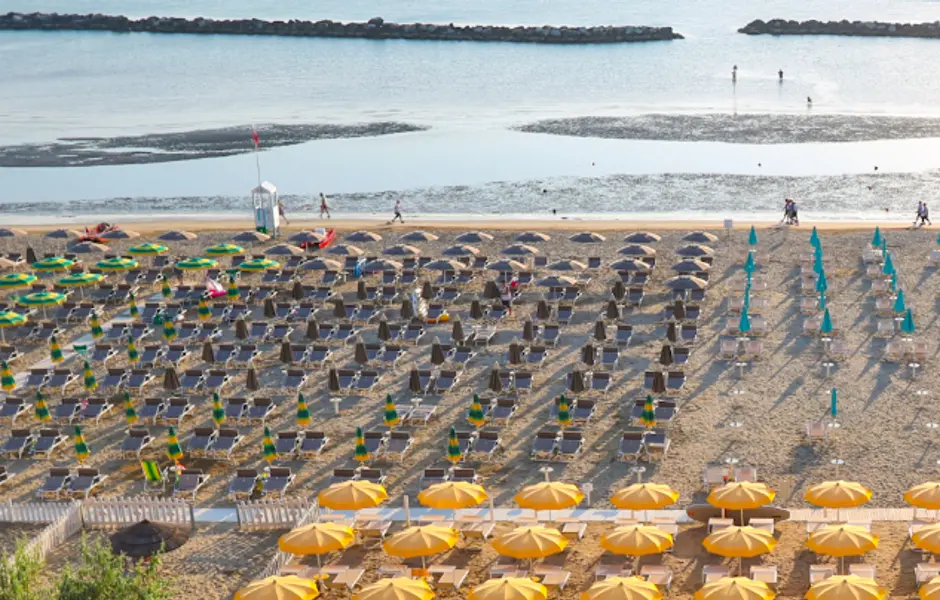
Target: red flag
(255, 138)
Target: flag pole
(257, 141)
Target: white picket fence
(119, 512)
(272, 514)
(277, 562)
(65, 520)
(46, 512)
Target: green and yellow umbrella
(564, 417)
(391, 414)
(173, 450)
(96, 331)
(52, 264)
(165, 290)
(203, 312)
(476, 416)
(270, 451)
(55, 352)
(218, 411)
(80, 279)
(196, 264)
(88, 378)
(132, 302)
(169, 331)
(303, 413)
(130, 415)
(224, 250)
(6, 378)
(648, 416)
(9, 318)
(454, 455)
(118, 263)
(362, 453)
(42, 409)
(232, 292)
(81, 448)
(41, 299)
(148, 249)
(133, 356)
(16, 280)
(256, 265)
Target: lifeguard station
(264, 200)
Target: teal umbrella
(894, 282)
(888, 268)
(884, 245)
(876, 239)
(821, 284)
(817, 252)
(899, 306)
(744, 325)
(818, 265)
(814, 238)
(907, 325)
(938, 239)
(822, 301)
(749, 265)
(826, 327)
(833, 403)
(752, 237)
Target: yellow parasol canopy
(842, 540)
(622, 588)
(644, 496)
(421, 541)
(741, 495)
(452, 495)
(735, 588)
(279, 588)
(397, 588)
(930, 590)
(846, 587)
(352, 495)
(316, 538)
(636, 540)
(740, 542)
(549, 495)
(928, 538)
(530, 542)
(838, 494)
(509, 588)
(925, 495)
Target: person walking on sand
(734, 73)
(809, 102)
(397, 212)
(323, 206)
(780, 75)
(280, 210)
(507, 292)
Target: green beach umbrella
(752, 237)
(744, 324)
(224, 250)
(81, 448)
(52, 264)
(564, 416)
(196, 264)
(117, 263)
(203, 312)
(390, 418)
(822, 285)
(814, 237)
(41, 299)
(454, 455)
(42, 409)
(16, 280)
(826, 327)
(749, 265)
(362, 453)
(134, 311)
(96, 331)
(148, 249)
(476, 416)
(876, 239)
(270, 451)
(303, 413)
(55, 352)
(133, 356)
(907, 325)
(218, 411)
(899, 305)
(822, 301)
(169, 331)
(258, 264)
(888, 268)
(80, 279)
(648, 416)
(165, 290)
(130, 415)
(232, 292)
(7, 382)
(833, 403)
(88, 378)
(9, 318)
(173, 449)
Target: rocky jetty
(856, 28)
(376, 28)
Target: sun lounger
(137, 440)
(277, 483)
(60, 379)
(569, 446)
(485, 445)
(582, 411)
(48, 441)
(287, 444)
(657, 442)
(503, 411)
(318, 355)
(632, 446)
(151, 355)
(192, 380)
(465, 475)
(433, 476)
(12, 409)
(312, 444)
(177, 410)
(9, 354)
(113, 380)
(373, 476)
(56, 484)
(635, 294)
(375, 441)
(19, 443)
(153, 409)
(420, 415)
(623, 335)
(137, 379)
(345, 332)
(67, 411)
(244, 484)
(201, 441)
(894, 352)
(85, 482)
(95, 409)
(225, 444)
(259, 410)
(102, 353)
(600, 382)
(544, 446)
(397, 445)
(189, 482)
(216, 380)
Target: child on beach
(323, 207)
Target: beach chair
(375, 441)
(152, 409)
(397, 445)
(9, 354)
(225, 444)
(688, 333)
(177, 410)
(137, 440)
(365, 381)
(549, 335)
(259, 330)
(20, 442)
(636, 294)
(277, 483)
(600, 382)
(373, 476)
(287, 444)
(569, 446)
(632, 446)
(564, 314)
(816, 431)
(36, 378)
(347, 379)
(236, 409)
(155, 476)
(192, 380)
(465, 475)
(279, 331)
(503, 411)
(85, 482)
(245, 356)
(64, 311)
(176, 355)
(113, 380)
(657, 442)
(244, 484)
(894, 352)
(259, 410)
(666, 411)
(189, 482)
(216, 380)
(302, 312)
(746, 474)
(264, 292)
(582, 411)
(413, 333)
(60, 379)
(102, 353)
(433, 476)
(137, 379)
(312, 444)
(239, 311)
(95, 409)
(345, 332)
(56, 484)
(220, 311)
(318, 355)
(151, 355)
(331, 278)
(201, 442)
(12, 409)
(728, 349)
(420, 416)
(67, 411)
(623, 335)
(544, 446)
(485, 445)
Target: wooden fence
(273, 514)
(305, 517)
(119, 512)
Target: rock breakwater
(853, 28)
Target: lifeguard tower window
(264, 201)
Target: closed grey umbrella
(333, 381)
(208, 354)
(414, 381)
(528, 332)
(476, 311)
(678, 310)
(285, 356)
(495, 383)
(384, 333)
(251, 381)
(241, 329)
(671, 334)
(437, 353)
(456, 332)
(30, 255)
(577, 381)
(313, 330)
(619, 290)
(297, 292)
(659, 383)
(665, 355)
(171, 381)
(589, 355)
(361, 290)
(339, 309)
(407, 310)
(613, 311)
(269, 312)
(542, 311)
(427, 292)
(491, 290)
(359, 354)
(515, 354)
(600, 331)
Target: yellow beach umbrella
(422, 541)
(397, 588)
(838, 494)
(352, 495)
(842, 540)
(622, 588)
(735, 588)
(549, 495)
(530, 542)
(316, 538)
(452, 495)
(644, 496)
(741, 495)
(740, 542)
(279, 588)
(925, 495)
(509, 588)
(930, 590)
(846, 587)
(928, 538)
(636, 540)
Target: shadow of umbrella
(313, 330)
(600, 331)
(613, 311)
(495, 383)
(456, 332)
(384, 333)
(269, 312)
(659, 383)
(619, 291)
(407, 310)
(208, 353)
(333, 381)
(171, 381)
(589, 355)
(147, 539)
(339, 309)
(361, 290)
(437, 353)
(359, 354)
(528, 332)
(251, 381)
(241, 329)
(577, 381)
(491, 290)
(414, 381)
(665, 356)
(285, 356)
(297, 292)
(542, 311)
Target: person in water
(324, 208)
(780, 75)
(809, 102)
(734, 73)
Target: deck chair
(96, 408)
(361, 382)
(397, 445)
(465, 475)
(67, 411)
(192, 380)
(278, 481)
(522, 382)
(259, 410)
(189, 482)
(583, 411)
(287, 443)
(201, 441)
(433, 476)
(224, 353)
(19, 443)
(226, 443)
(245, 356)
(544, 445)
(85, 482)
(503, 411)
(462, 355)
(151, 355)
(688, 333)
(239, 311)
(632, 446)
(219, 312)
(175, 355)
(375, 476)
(259, 330)
(279, 331)
(318, 355)
(56, 484)
(445, 381)
(342, 475)
(635, 295)
(102, 353)
(345, 332)
(216, 380)
(486, 445)
(420, 416)
(375, 441)
(294, 379)
(657, 442)
(413, 333)
(569, 446)
(188, 332)
(60, 379)
(137, 379)
(113, 380)
(152, 409)
(610, 357)
(177, 410)
(623, 335)
(312, 444)
(12, 409)
(155, 477)
(236, 409)
(600, 382)
(675, 381)
(666, 411)
(136, 441)
(244, 484)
